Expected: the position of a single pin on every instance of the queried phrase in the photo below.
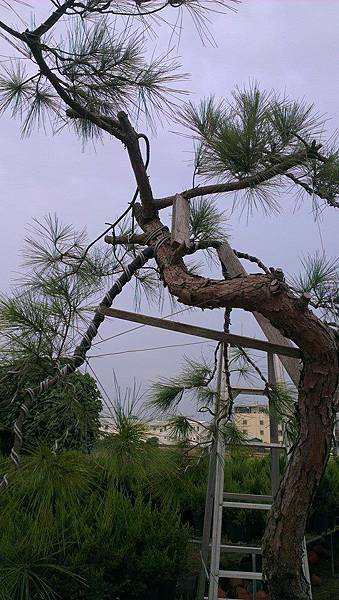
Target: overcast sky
(287, 45)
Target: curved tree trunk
(282, 550)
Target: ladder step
(247, 505)
(264, 445)
(250, 497)
(237, 549)
(241, 574)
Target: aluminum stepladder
(223, 499)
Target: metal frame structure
(216, 498)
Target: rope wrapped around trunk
(78, 357)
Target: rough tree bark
(282, 548)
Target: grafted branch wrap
(79, 355)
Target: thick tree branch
(141, 240)
(252, 293)
(286, 163)
(16, 34)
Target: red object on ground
(243, 594)
(315, 580)
(221, 593)
(313, 557)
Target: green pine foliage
(167, 393)
(319, 276)
(66, 416)
(199, 377)
(71, 530)
(75, 526)
(254, 132)
(104, 67)
(238, 138)
(326, 177)
(207, 222)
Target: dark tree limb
(141, 239)
(131, 141)
(280, 168)
(11, 31)
(54, 18)
(311, 191)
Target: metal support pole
(206, 535)
(254, 569)
(211, 487)
(332, 555)
(274, 424)
(218, 490)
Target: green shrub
(67, 528)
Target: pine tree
(99, 80)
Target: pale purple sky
(288, 45)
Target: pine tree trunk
(282, 546)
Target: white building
(163, 431)
(252, 419)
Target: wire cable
(121, 217)
(107, 404)
(147, 349)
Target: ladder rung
(264, 445)
(248, 505)
(241, 574)
(237, 549)
(251, 497)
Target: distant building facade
(163, 431)
(253, 420)
(250, 416)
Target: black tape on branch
(79, 355)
